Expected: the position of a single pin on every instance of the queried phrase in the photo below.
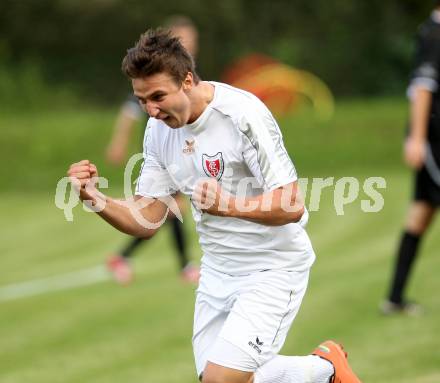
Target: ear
(188, 83)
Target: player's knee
(208, 377)
(218, 375)
(417, 230)
(213, 374)
(417, 225)
(419, 218)
(414, 227)
(217, 379)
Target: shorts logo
(213, 165)
(189, 148)
(256, 346)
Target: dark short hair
(157, 51)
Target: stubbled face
(163, 99)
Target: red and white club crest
(213, 165)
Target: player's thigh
(263, 314)
(208, 322)
(215, 373)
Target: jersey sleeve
(264, 150)
(154, 179)
(427, 69)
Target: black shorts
(426, 189)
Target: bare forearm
(140, 216)
(420, 109)
(271, 209)
(120, 214)
(123, 130)
(275, 208)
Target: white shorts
(252, 314)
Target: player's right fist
(81, 174)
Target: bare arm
(275, 208)
(419, 120)
(140, 217)
(117, 148)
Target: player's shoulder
(156, 130)
(157, 127)
(235, 102)
(247, 111)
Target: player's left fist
(209, 197)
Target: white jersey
(237, 141)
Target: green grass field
(102, 332)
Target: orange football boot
(335, 354)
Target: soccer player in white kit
(221, 146)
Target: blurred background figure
(130, 115)
(281, 87)
(60, 93)
(422, 153)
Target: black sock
(405, 259)
(179, 241)
(128, 250)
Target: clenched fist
(83, 176)
(209, 197)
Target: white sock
(295, 369)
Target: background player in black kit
(422, 153)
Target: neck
(200, 97)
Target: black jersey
(427, 71)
